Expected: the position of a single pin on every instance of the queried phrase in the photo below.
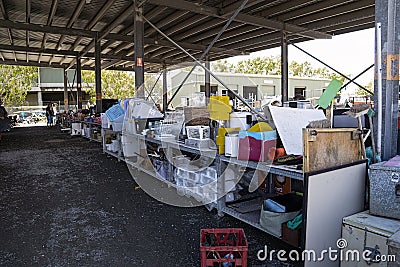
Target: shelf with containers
(316, 186)
(111, 131)
(329, 174)
(162, 159)
(91, 131)
(112, 145)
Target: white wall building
(247, 85)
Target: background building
(247, 85)
(50, 88)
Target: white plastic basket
(198, 132)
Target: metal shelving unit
(119, 154)
(92, 125)
(251, 218)
(246, 208)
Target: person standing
(54, 115)
(49, 115)
(4, 121)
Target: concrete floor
(64, 203)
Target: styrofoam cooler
(231, 145)
(385, 188)
(256, 145)
(364, 231)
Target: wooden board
(289, 123)
(324, 148)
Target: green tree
(301, 69)
(114, 84)
(221, 66)
(361, 92)
(266, 65)
(272, 66)
(15, 82)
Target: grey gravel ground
(64, 203)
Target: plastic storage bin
(198, 132)
(272, 221)
(223, 247)
(114, 112)
(256, 145)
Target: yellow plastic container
(219, 108)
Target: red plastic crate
(229, 247)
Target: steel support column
(65, 91)
(165, 91)
(97, 67)
(207, 79)
(284, 69)
(387, 13)
(79, 82)
(139, 50)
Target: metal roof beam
(50, 18)
(166, 21)
(244, 18)
(38, 50)
(61, 30)
(32, 63)
(353, 10)
(127, 11)
(151, 14)
(28, 19)
(94, 21)
(72, 20)
(5, 16)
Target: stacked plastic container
(199, 184)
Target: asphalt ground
(65, 203)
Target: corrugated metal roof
(193, 24)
